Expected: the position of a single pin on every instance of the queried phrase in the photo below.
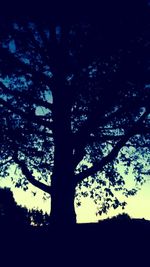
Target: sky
(138, 206)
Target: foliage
(10, 213)
(38, 218)
(76, 97)
(15, 215)
(122, 217)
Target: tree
(38, 217)
(11, 214)
(14, 216)
(74, 103)
(7, 205)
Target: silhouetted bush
(122, 217)
(8, 207)
(38, 218)
(14, 215)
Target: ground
(109, 243)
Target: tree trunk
(62, 182)
(62, 201)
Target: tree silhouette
(14, 215)
(7, 205)
(74, 104)
(11, 214)
(38, 217)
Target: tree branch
(27, 116)
(25, 96)
(146, 172)
(8, 161)
(82, 137)
(26, 68)
(98, 166)
(105, 138)
(30, 177)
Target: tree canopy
(74, 104)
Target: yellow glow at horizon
(138, 206)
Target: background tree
(7, 205)
(74, 104)
(11, 214)
(38, 218)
